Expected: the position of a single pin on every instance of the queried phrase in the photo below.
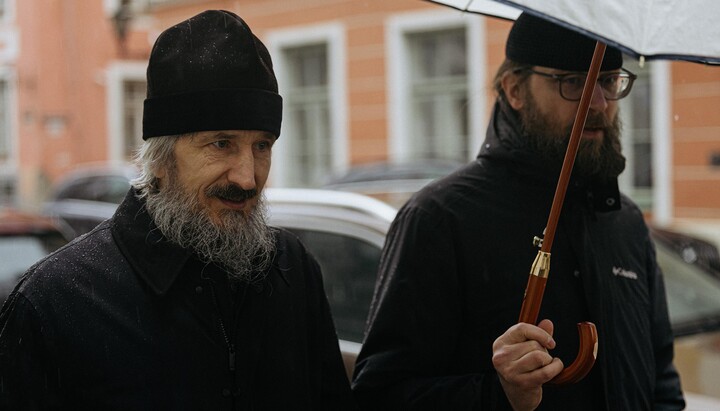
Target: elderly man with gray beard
(185, 299)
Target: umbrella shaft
(573, 145)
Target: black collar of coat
(156, 260)
(504, 143)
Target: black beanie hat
(538, 42)
(210, 72)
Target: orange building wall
(60, 88)
(696, 134)
(67, 45)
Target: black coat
(454, 270)
(122, 320)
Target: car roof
(289, 206)
(92, 170)
(331, 199)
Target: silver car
(346, 231)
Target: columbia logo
(619, 271)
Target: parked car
(346, 232)
(691, 249)
(329, 219)
(24, 239)
(88, 195)
(391, 182)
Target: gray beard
(241, 244)
(595, 160)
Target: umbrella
(645, 29)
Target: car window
(349, 267)
(693, 294)
(110, 189)
(18, 253)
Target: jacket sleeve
(668, 394)
(26, 375)
(333, 391)
(414, 322)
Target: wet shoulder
(80, 258)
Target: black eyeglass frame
(561, 77)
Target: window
(437, 86)
(5, 150)
(439, 95)
(8, 176)
(134, 92)
(307, 111)
(349, 266)
(310, 66)
(636, 114)
(126, 92)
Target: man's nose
(242, 171)
(598, 102)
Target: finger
(522, 332)
(514, 352)
(549, 328)
(530, 371)
(540, 376)
(520, 358)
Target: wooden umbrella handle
(585, 357)
(587, 331)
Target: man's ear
(160, 172)
(513, 92)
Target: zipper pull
(231, 356)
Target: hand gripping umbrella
(644, 29)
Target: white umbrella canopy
(645, 29)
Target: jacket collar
(504, 143)
(156, 260)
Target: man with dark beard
(185, 299)
(442, 330)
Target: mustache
(597, 120)
(231, 192)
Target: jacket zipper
(230, 345)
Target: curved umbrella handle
(530, 310)
(585, 357)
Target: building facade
(362, 82)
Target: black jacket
(454, 270)
(122, 320)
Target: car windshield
(693, 294)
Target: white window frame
(398, 57)
(117, 74)
(8, 14)
(662, 155)
(10, 166)
(333, 35)
(661, 145)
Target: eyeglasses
(614, 85)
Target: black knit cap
(538, 42)
(210, 72)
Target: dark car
(88, 195)
(24, 239)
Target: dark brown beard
(596, 160)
